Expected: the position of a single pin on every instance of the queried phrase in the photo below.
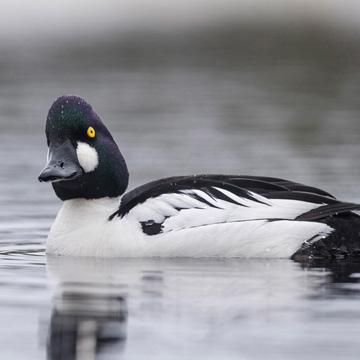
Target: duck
(198, 216)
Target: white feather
(87, 156)
(223, 211)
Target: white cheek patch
(87, 156)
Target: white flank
(87, 156)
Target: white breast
(81, 228)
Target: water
(283, 106)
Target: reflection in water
(342, 278)
(89, 314)
(178, 308)
(228, 308)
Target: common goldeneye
(181, 216)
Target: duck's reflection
(89, 312)
(339, 278)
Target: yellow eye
(91, 132)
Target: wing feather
(190, 201)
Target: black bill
(62, 164)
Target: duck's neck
(76, 212)
(79, 218)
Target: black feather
(328, 210)
(151, 227)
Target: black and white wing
(192, 201)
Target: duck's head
(83, 159)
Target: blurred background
(233, 86)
